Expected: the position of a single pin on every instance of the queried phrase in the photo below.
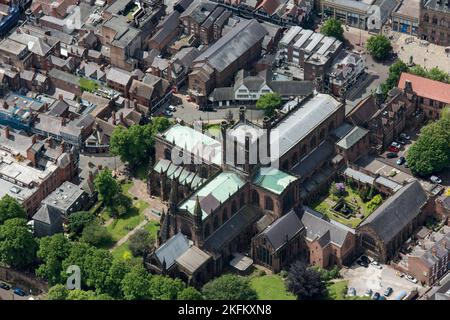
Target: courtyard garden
(269, 287)
(348, 202)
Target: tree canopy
(133, 145)
(96, 235)
(140, 243)
(10, 208)
(17, 244)
(269, 102)
(379, 46)
(107, 187)
(189, 293)
(136, 283)
(304, 282)
(52, 251)
(229, 287)
(77, 221)
(333, 28)
(431, 152)
(395, 71)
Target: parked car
(381, 297)
(20, 292)
(396, 145)
(376, 264)
(368, 293)
(168, 113)
(171, 108)
(401, 161)
(406, 164)
(401, 141)
(404, 136)
(393, 149)
(362, 263)
(365, 259)
(435, 179)
(376, 296)
(4, 286)
(351, 292)
(411, 278)
(391, 155)
(388, 291)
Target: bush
(261, 273)
(373, 204)
(379, 46)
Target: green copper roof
(195, 142)
(273, 179)
(214, 193)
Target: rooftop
(426, 88)
(273, 179)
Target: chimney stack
(242, 114)
(6, 131)
(121, 118)
(113, 115)
(408, 86)
(61, 97)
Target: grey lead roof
(283, 229)
(397, 211)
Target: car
(401, 141)
(435, 179)
(404, 136)
(391, 155)
(396, 145)
(368, 293)
(171, 108)
(365, 259)
(168, 113)
(393, 149)
(4, 286)
(388, 291)
(381, 297)
(411, 278)
(20, 292)
(376, 264)
(351, 292)
(362, 263)
(376, 296)
(406, 164)
(401, 161)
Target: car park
(435, 179)
(376, 264)
(376, 296)
(391, 155)
(401, 161)
(4, 286)
(20, 292)
(388, 291)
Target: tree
(445, 113)
(57, 292)
(165, 288)
(438, 75)
(269, 102)
(140, 243)
(189, 293)
(133, 144)
(431, 152)
(135, 284)
(379, 46)
(17, 244)
(305, 283)
(374, 203)
(119, 268)
(78, 221)
(96, 235)
(52, 251)
(395, 71)
(86, 295)
(229, 287)
(10, 208)
(333, 28)
(107, 187)
(160, 124)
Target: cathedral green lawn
(270, 287)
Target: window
(268, 203)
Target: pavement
(378, 280)
(10, 295)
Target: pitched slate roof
(356, 134)
(283, 229)
(233, 227)
(172, 249)
(397, 211)
(321, 230)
